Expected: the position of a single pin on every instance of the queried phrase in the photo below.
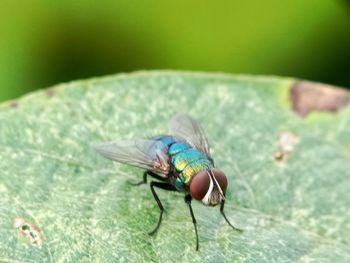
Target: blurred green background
(47, 42)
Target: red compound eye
(221, 178)
(199, 185)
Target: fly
(179, 162)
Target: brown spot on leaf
(50, 92)
(286, 145)
(30, 231)
(308, 96)
(14, 104)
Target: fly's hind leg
(188, 199)
(164, 186)
(144, 178)
(223, 214)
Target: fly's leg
(144, 178)
(156, 176)
(164, 186)
(188, 199)
(222, 212)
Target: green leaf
(290, 195)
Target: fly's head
(209, 186)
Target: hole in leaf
(286, 145)
(30, 231)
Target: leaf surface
(292, 209)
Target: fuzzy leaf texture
(60, 201)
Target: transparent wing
(146, 154)
(185, 127)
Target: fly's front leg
(188, 199)
(144, 178)
(222, 212)
(164, 186)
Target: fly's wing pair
(152, 154)
(146, 154)
(188, 129)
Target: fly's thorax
(187, 157)
(191, 169)
(186, 162)
(209, 186)
(178, 147)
